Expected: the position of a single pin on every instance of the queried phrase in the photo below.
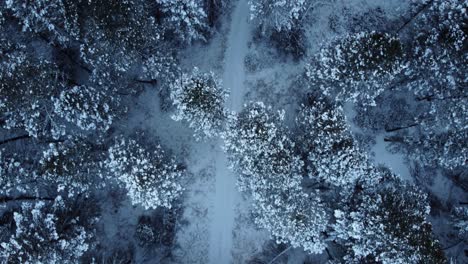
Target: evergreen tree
(328, 149)
(38, 98)
(443, 149)
(290, 215)
(357, 67)
(50, 231)
(387, 223)
(439, 53)
(75, 165)
(260, 149)
(437, 77)
(12, 172)
(151, 177)
(86, 37)
(257, 143)
(460, 222)
(27, 88)
(66, 22)
(161, 68)
(439, 56)
(187, 18)
(199, 99)
(279, 14)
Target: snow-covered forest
(234, 131)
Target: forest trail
(226, 194)
(237, 48)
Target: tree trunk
(329, 255)
(14, 139)
(83, 67)
(279, 255)
(400, 128)
(7, 199)
(393, 139)
(151, 81)
(420, 11)
(430, 98)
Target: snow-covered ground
(394, 161)
(212, 202)
(234, 69)
(217, 225)
(226, 194)
(379, 151)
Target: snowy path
(226, 195)
(234, 68)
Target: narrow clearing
(226, 195)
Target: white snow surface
(395, 161)
(226, 194)
(237, 48)
(380, 154)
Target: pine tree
(357, 67)
(290, 215)
(437, 77)
(26, 89)
(106, 47)
(86, 107)
(39, 100)
(12, 172)
(439, 51)
(187, 18)
(328, 149)
(257, 144)
(260, 149)
(460, 222)
(151, 178)
(74, 165)
(439, 56)
(279, 14)
(161, 68)
(51, 18)
(387, 223)
(50, 231)
(442, 149)
(199, 99)
(65, 22)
